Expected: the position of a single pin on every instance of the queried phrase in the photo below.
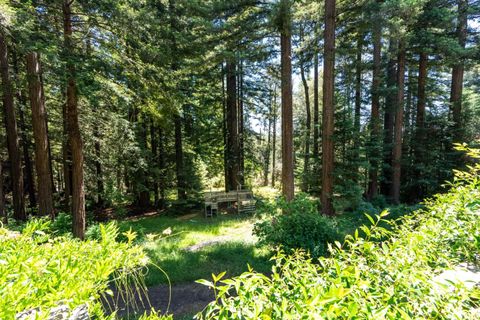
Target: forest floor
(190, 247)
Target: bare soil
(180, 300)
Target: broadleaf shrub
(382, 273)
(40, 271)
(302, 227)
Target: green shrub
(347, 196)
(302, 227)
(40, 271)
(62, 225)
(383, 274)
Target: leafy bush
(384, 274)
(62, 225)
(38, 271)
(303, 227)
(347, 196)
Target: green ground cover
(192, 247)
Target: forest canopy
(149, 103)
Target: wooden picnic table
(241, 200)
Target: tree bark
(457, 73)
(224, 129)
(398, 131)
(181, 185)
(26, 143)
(316, 124)
(98, 166)
(74, 135)
(358, 97)
(308, 124)
(390, 105)
(288, 188)
(3, 213)
(233, 165)
(13, 142)
(154, 146)
(268, 148)
(162, 167)
(421, 97)
(66, 161)
(179, 162)
(40, 135)
(142, 189)
(375, 153)
(328, 109)
(241, 129)
(274, 135)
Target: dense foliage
(387, 274)
(147, 103)
(40, 271)
(297, 224)
(302, 227)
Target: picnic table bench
(241, 200)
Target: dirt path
(186, 299)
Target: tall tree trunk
(74, 136)
(418, 143)
(142, 190)
(457, 73)
(358, 99)
(241, 129)
(162, 167)
(98, 165)
(40, 135)
(28, 170)
(49, 146)
(3, 213)
(224, 129)
(181, 184)
(13, 142)
(154, 146)
(179, 162)
(66, 161)
(398, 131)
(316, 124)
(26, 143)
(288, 188)
(375, 153)
(421, 96)
(274, 135)
(233, 165)
(328, 109)
(308, 124)
(390, 106)
(268, 148)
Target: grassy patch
(192, 247)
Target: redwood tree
(328, 109)
(73, 128)
(233, 146)
(39, 123)
(457, 72)
(375, 116)
(288, 188)
(308, 123)
(13, 144)
(398, 127)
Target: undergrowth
(375, 273)
(39, 271)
